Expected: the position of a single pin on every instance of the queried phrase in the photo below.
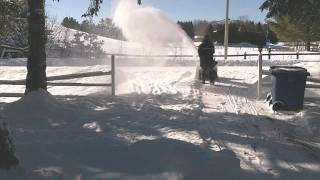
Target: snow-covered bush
(63, 42)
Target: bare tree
(36, 65)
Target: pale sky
(175, 9)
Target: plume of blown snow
(152, 29)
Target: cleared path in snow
(227, 116)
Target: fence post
(297, 55)
(3, 53)
(113, 82)
(245, 55)
(259, 88)
(269, 53)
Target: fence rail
(22, 94)
(68, 77)
(245, 55)
(78, 84)
(78, 75)
(112, 72)
(297, 54)
(10, 49)
(148, 56)
(311, 86)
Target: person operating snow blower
(208, 70)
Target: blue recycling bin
(288, 87)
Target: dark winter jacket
(206, 51)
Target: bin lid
(289, 70)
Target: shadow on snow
(126, 138)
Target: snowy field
(162, 124)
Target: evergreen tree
(259, 27)
(93, 8)
(301, 13)
(258, 39)
(243, 28)
(210, 32)
(218, 34)
(272, 37)
(13, 29)
(239, 31)
(234, 33)
(70, 22)
(12, 15)
(200, 27)
(187, 27)
(107, 28)
(87, 26)
(286, 30)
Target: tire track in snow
(179, 92)
(242, 106)
(264, 130)
(251, 124)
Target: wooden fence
(51, 79)
(112, 72)
(296, 54)
(5, 49)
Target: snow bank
(37, 109)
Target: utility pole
(226, 31)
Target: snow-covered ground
(162, 124)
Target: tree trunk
(308, 45)
(308, 39)
(36, 65)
